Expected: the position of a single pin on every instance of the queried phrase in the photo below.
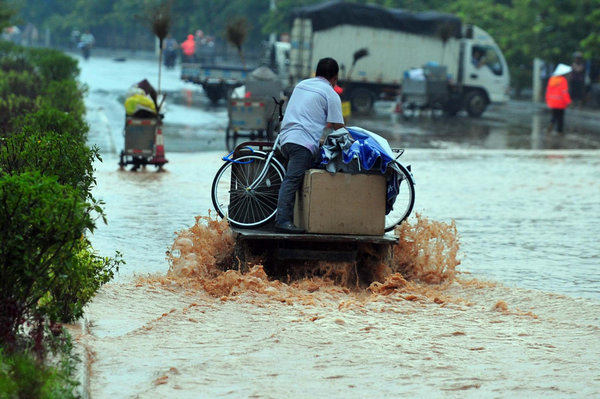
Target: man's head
(328, 68)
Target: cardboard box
(341, 203)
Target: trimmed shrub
(52, 64)
(64, 156)
(22, 375)
(13, 105)
(20, 83)
(82, 276)
(66, 96)
(48, 268)
(42, 222)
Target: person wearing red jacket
(557, 96)
(189, 49)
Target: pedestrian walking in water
(557, 96)
(170, 46)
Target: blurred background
(525, 30)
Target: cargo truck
(375, 46)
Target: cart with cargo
(144, 143)
(425, 89)
(252, 109)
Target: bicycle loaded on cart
(246, 187)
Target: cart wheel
(136, 161)
(121, 160)
(230, 138)
(361, 100)
(437, 110)
(409, 111)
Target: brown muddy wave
(423, 265)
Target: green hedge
(48, 268)
(31, 78)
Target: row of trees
(525, 29)
(547, 29)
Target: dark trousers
(300, 159)
(558, 119)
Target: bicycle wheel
(404, 201)
(233, 199)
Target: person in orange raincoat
(189, 49)
(557, 96)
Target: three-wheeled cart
(426, 91)
(252, 112)
(252, 118)
(144, 143)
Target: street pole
(537, 83)
(272, 36)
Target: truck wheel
(452, 108)
(361, 100)
(475, 103)
(409, 110)
(213, 94)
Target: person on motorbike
(87, 40)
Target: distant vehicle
(86, 43)
(218, 81)
(144, 142)
(375, 46)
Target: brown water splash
(427, 251)
(423, 266)
(198, 252)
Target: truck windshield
(487, 56)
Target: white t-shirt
(312, 105)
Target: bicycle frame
(263, 173)
(270, 154)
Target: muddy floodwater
(494, 290)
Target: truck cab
(484, 74)
(278, 60)
(376, 46)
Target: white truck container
(375, 46)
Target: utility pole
(537, 83)
(273, 36)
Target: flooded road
(517, 313)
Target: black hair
(327, 68)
